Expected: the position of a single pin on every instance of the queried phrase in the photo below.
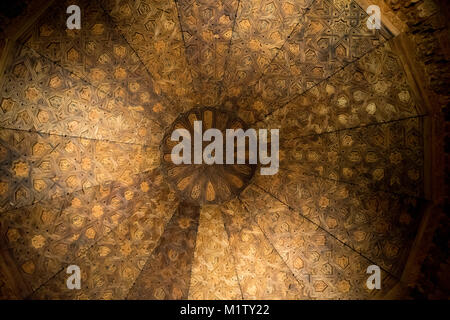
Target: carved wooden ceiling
(83, 114)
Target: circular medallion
(204, 183)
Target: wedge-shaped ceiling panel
(207, 29)
(110, 267)
(98, 54)
(326, 39)
(387, 157)
(39, 95)
(167, 272)
(261, 28)
(379, 225)
(326, 268)
(371, 90)
(47, 236)
(213, 273)
(261, 271)
(152, 28)
(37, 166)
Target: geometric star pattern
(83, 113)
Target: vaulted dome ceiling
(83, 117)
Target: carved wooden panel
(326, 268)
(391, 157)
(37, 166)
(328, 37)
(47, 236)
(110, 267)
(262, 273)
(207, 29)
(373, 89)
(152, 28)
(39, 95)
(315, 155)
(380, 225)
(213, 274)
(98, 54)
(166, 274)
(385, 157)
(261, 28)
